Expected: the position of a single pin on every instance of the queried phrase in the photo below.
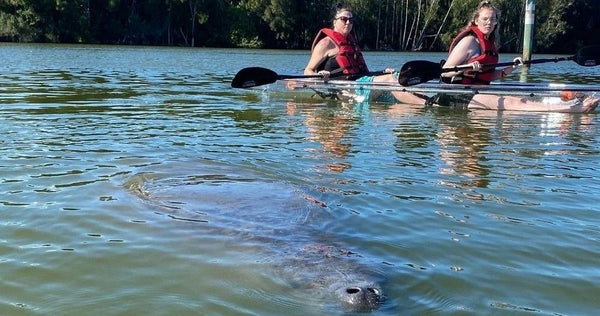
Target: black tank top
(329, 64)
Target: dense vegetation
(562, 26)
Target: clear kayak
(521, 89)
(513, 96)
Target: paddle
(257, 76)
(420, 71)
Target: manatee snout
(360, 298)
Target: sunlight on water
(134, 180)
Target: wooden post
(528, 31)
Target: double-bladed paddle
(420, 71)
(258, 76)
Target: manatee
(279, 218)
(334, 270)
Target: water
(135, 181)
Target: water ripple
(452, 211)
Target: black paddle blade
(588, 56)
(252, 77)
(418, 71)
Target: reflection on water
(463, 148)
(328, 127)
(135, 180)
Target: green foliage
(279, 15)
(243, 28)
(19, 21)
(562, 26)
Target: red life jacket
(349, 58)
(488, 55)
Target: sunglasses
(489, 20)
(345, 19)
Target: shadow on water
(270, 218)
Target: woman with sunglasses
(476, 45)
(334, 49)
(335, 52)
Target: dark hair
(339, 8)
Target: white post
(528, 31)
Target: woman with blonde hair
(476, 45)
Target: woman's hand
(475, 67)
(325, 75)
(518, 61)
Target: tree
(561, 26)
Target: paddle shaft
(258, 76)
(283, 77)
(510, 63)
(333, 75)
(420, 71)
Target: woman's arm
(466, 49)
(501, 73)
(320, 52)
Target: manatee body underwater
(277, 218)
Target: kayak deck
(516, 89)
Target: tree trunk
(441, 25)
(193, 12)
